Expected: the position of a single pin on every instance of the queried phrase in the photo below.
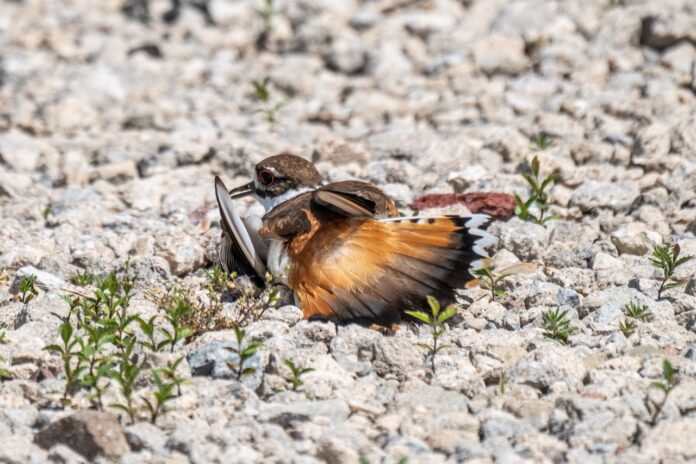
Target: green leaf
(54, 348)
(248, 371)
(251, 349)
(535, 166)
(659, 386)
(434, 305)
(120, 407)
(673, 284)
(667, 370)
(421, 316)
(532, 182)
(450, 311)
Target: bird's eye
(266, 177)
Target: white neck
(271, 202)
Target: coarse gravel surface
(115, 115)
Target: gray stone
(608, 313)
(617, 196)
(144, 436)
(212, 360)
(335, 411)
(525, 239)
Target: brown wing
(355, 198)
(372, 270)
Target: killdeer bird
(348, 254)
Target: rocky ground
(115, 115)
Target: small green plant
(169, 373)
(27, 289)
(491, 281)
(556, 325)
(73, 367)
(263, 97)
(501, 384)
(218, 279)
(667, 259)
(244, 352)
(297, 373)
(539, 197)
(636, 311)
(82, 279)
(126, 376)
(252, 307)
(666, 384)
(435, 320)
(177, 309)
(627, 327)
(163, 394)
(47, 211)
(4, 373)
(541, 141)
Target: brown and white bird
(347, 253)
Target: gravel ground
(114, 117)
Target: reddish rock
(496, 205)
(90, 433)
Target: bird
(348, 255)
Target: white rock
(635, 238)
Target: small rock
(500, 54)
(635, 238)
(145, 436)
(606, 261)
(346, 55)
(526, 240)
(335, 411)
(608, 313)
(617, 196)
(90, 433)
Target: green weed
(435, 319)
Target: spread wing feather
(237, 252)
(363, 268)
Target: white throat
(271, 202)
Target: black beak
(243, 190)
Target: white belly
(278, 261)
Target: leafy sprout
(435, 319)
(126, 377)
(627, 327)
(83, 279)
(297, 373)
(557, 326)
(541, 141)
(262, 91)
(162, 395)
(244, 351)
(491, 281)
(176, 309)
(668, 380)
(27, 289)
(539, 196)
(636, 311)
(667, 259)
(73, 366)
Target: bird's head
(278, 179)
